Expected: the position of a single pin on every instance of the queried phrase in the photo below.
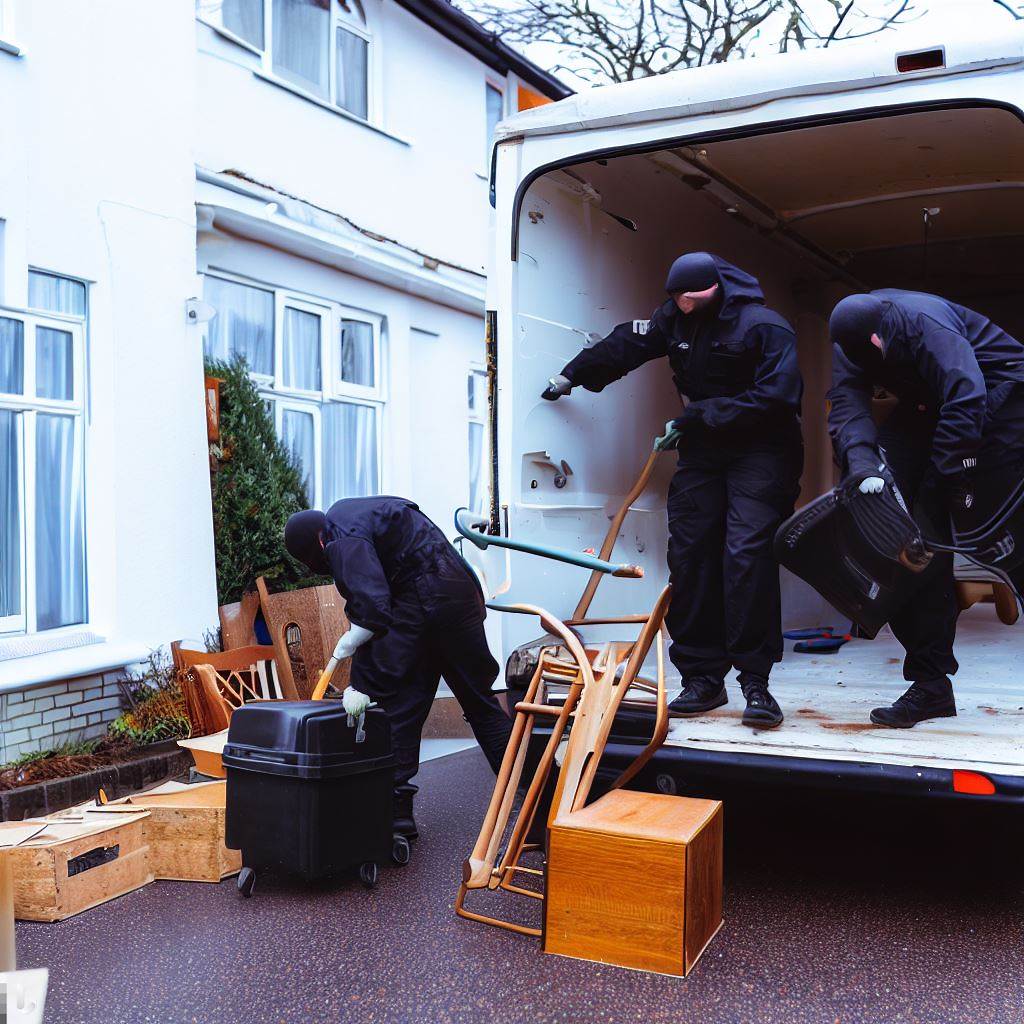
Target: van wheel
(246, 881)
(368, 874)
(401, 851)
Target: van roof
(715, 88)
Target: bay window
(324, 387)
(42, 492)
(241, 18)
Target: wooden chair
(238, 622)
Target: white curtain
(245, 19)
(244, 324)
(350, 451)
(301, 352)
(55, 370)
(357, 352)
(12, 356)
(56, 294)
(350, 87)
(301, 39)
(10, 516)
(60, 534)
(477, 476)
(297, 434)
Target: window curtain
(12, 356)
(350, 451)
(245, 19)
(297, 435)
(301, 352)
(301, 38)
(357, 352)
(10, 516)
(477, 476)
(351, 85)
(60, 534)
(56, 294)
(55, 371)
(244, 324)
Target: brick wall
(50, 714)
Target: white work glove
(351, 641)
(557, 386)
(355, 701)
(871, 485)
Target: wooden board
(185, 833)
(46, 886)
(635, 880)
(207, 752)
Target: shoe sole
(762, 723)
(702, 711)
(910, 725)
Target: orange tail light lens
(972, 782)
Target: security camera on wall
(199, 312)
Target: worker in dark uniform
(740, 459)
(960, 383)
(416, 613)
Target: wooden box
(185, 833)
(635, 879)
(71, 866)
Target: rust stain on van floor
(849, 726)
(811, 713)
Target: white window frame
(29, 406)
(332, 388)
(477, 415)
(500, 86)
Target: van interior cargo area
(922, 199)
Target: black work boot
(404, 823)
(700, 694)
(930, 698)
(762, 710)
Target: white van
(880, 164)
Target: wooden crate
(185, 833)
(72, 866)
(635, 879)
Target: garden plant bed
(53, 784)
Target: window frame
(346, 389)
(27, 406)
(475, 415)
(289, 300)
(284, 404)
(500, 86)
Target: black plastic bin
(309, 792)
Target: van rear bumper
(677, 768)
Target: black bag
(991, 531)
(310, 790)
(861, 552)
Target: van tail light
(972, 782)
(920, 60)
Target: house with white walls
(304, 182)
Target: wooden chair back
(238, 621)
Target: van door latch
(561, 469)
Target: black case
(302, 795)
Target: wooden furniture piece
(305, 626)
(71, 866)
(207, 752)
(971, 592)
(238, 621)
(635, 880)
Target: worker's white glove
(351, 641)
(871, 485)
(355, 701)
(558, 385)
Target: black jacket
(374, 546)
(939, 358)
(736, 364)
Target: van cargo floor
(827, 699)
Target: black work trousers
(437, 630)
(926, 624)
(724, 505)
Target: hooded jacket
(376, 545)
(735, 362)
(941, 359)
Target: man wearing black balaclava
(960, 383)
(740, 457)
(416, 613)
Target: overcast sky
(938, 19)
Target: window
(324, 384)
(477, 402)
(42, 506)
(242, 18)
(495, 106)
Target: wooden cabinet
(635, 879)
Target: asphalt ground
(836, 910)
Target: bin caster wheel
(401, 851)
(368, 874)
(246, 881)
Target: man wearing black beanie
(740, 458)
(960, 383)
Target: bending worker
(960, 383)
(740, 458)
(416, 614)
